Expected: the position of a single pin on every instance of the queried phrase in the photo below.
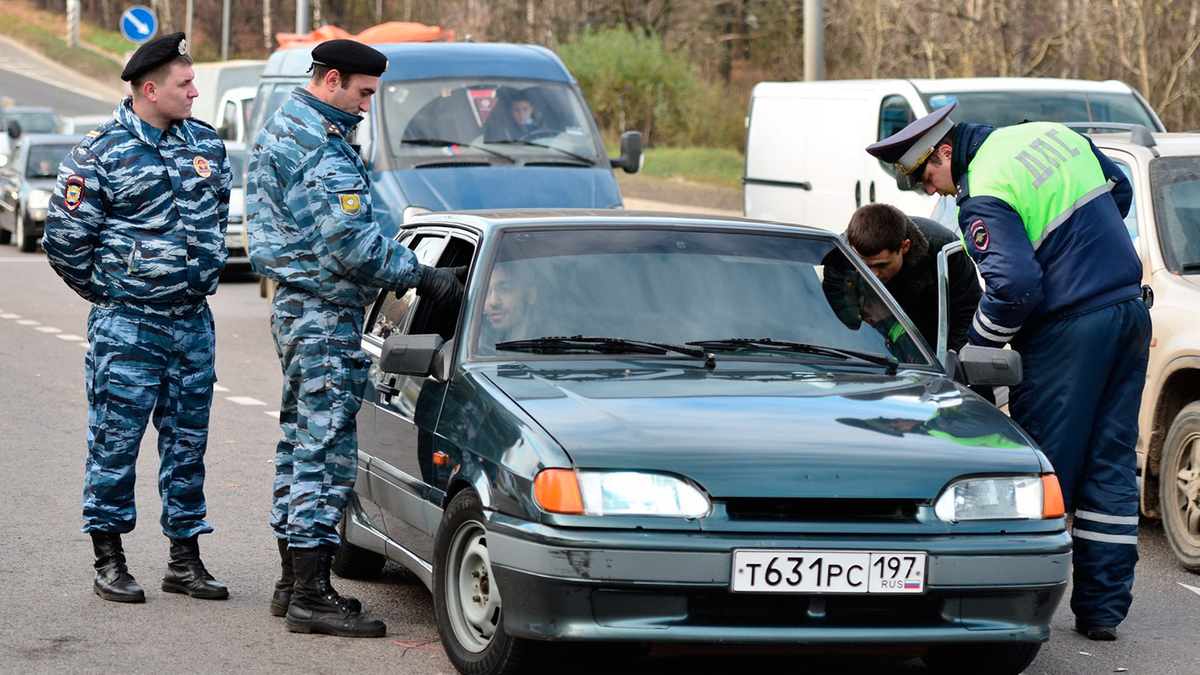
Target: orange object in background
(384, 33)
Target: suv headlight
(1001, 498)
(619, 493)
(39, 199)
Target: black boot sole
(169, 587)
(132, 599)
(296, 626)
(279, 609)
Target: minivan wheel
(1179, 487)
(467, 600)
(982, 659)
(26, 243)
(5, 235)
(355, 562)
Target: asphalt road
(28, 78)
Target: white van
(223, 88)
(805, 145)
(233, 114)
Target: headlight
(619, 493)
(1001, 498)
(39, 199)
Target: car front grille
(818, 510)
(736, 609)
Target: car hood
(459, 188)
(764, 433)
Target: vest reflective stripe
(1043, 170)
(989, 441)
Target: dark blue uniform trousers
(1079, 400)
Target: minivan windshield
(1175, 189)
(455, 121)
(1005, 108)
(665, 291)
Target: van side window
(392, 311)
(894, 115)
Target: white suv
(1164, 222)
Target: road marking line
(219, 388)
(1190, 588)
(29, 322)
(10, 315)
(68, 337)
(48, 329)
(244, 400)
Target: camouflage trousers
(141, 368)
(324, 377)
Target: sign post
(138, 24)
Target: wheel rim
(1187, 489)
(472, 597)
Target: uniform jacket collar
(147, 132)
(344, 121)
(967, 139)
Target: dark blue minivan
(459, 126)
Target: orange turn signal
(557, 491)
(1052, 499)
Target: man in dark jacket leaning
(902, 253)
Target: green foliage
(632, 82)
(713, 166)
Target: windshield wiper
(442, 143)
(587, 160)
(771, 344)
(603, 345)
(1191, 267)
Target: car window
(678, 287)
(237, 166)
(1131, 224)
(894, 114)
(43, 160)
(1175, 193)
(34, 122)
(433, 318)
(392, 310)
(1006, 108)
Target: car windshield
(434, 122)
(44, 160)
(34, 122)
(1175, 190)
(1005, 108)
(653, 290)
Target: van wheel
(1179, 487)
(355, 562)
(467, 600)
(982, 659)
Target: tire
(472, 631)
(355, 562)
(26, 243)
(5, 235)
(982, 659)
(1179, 487)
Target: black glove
(440, 284)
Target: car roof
(1168, 144)
(433, 60)
(965, 84)
(488, 221)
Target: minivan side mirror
(988, 366)
(410, 354)
(14, 129)
(631, 153)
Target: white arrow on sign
(142, 28)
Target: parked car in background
(81, 124)
(5, 138)
(33, 119)
(235, 233)
(26, 186)
(625, 435)
(1164, 223)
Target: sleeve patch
(350, 204)
(977, 232)
(73, 192)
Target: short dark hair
(159, 72)
(877, 227)
(319, 72)
(948, 139)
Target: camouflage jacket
(138, 216)
(308, 205)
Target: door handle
(872, 192)
(387, 389)
(857, 193)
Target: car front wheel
(467, 600)
(982, 659)
(1179, 487)
(25, 241)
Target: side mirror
(989, 366)
(631, 153)
(14, 129)
(410, 354)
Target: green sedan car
(647, 428)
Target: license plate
(804, 571)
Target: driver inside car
(526, 115)
(506, 308)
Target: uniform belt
(178, 307)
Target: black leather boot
(186, 574)
(316, 607)
(113, 580)
(287, 579)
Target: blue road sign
(138, 24)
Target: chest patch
(202, 167)
(351, 204)
(73, 192)
(977, 232)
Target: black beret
(153, 54)
(349, 58)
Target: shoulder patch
(73, 191)
(332, 130)
(92, 134)
(351, 204)
(977, 232)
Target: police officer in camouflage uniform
(137, 227)
(312, 229)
